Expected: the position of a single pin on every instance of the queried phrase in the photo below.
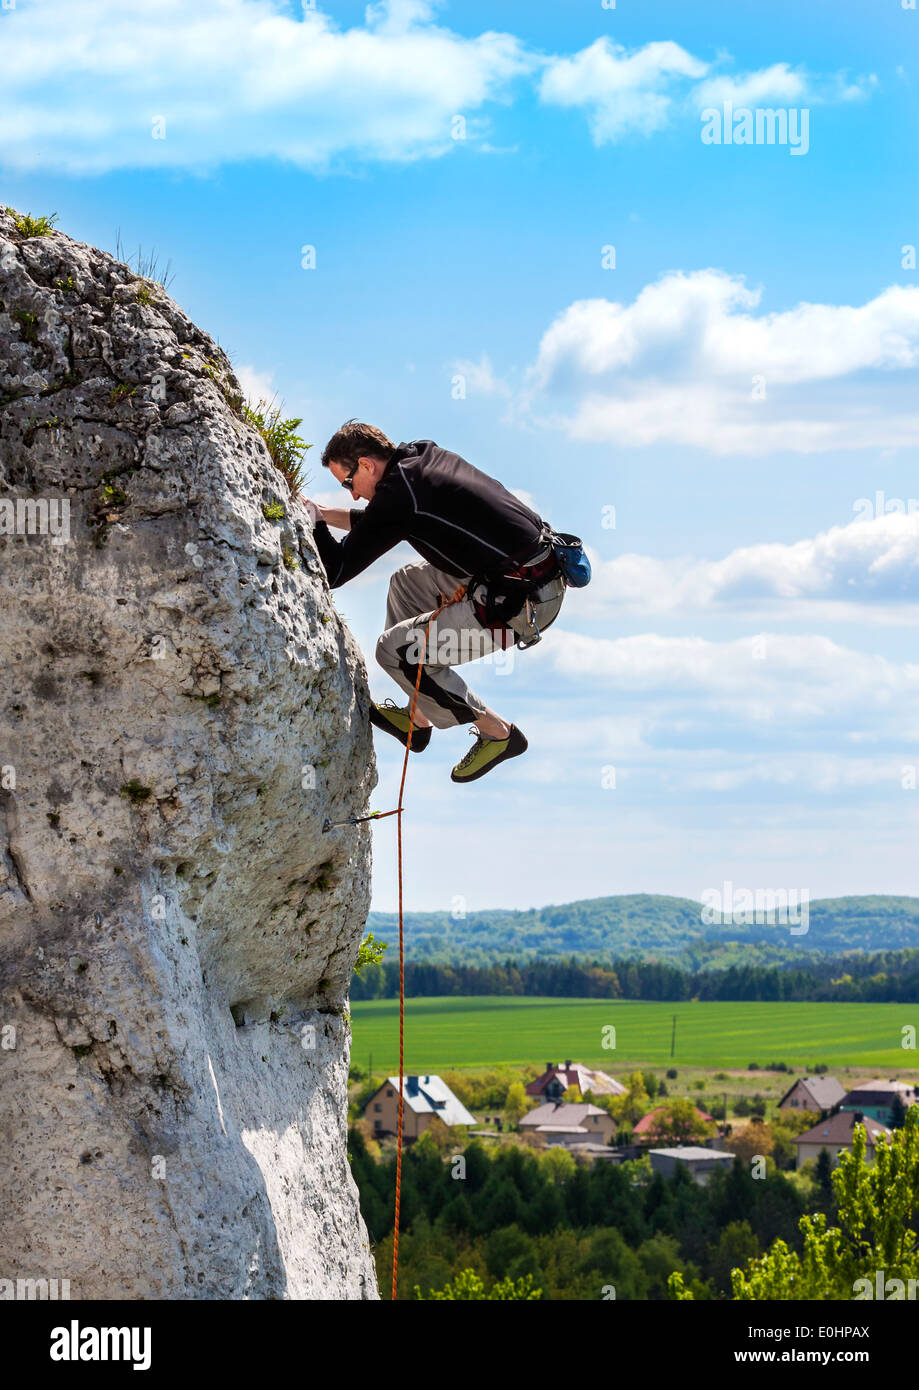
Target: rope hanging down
(458, 595)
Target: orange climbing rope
(458, 595)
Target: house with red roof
(555, 1080)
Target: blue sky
(745, 660)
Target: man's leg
(456, 636)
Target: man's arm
(372, 532)
(339, 517)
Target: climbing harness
(458, 595)
(504, 597)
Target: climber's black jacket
(459, 519)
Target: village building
(875, 1098)
(569, 1124)
(425, 1098)
(700, 1163)
(835, 1135)
(817, 1093)
(556, 1079)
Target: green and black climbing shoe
(486, 753)
(395, 721)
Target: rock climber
(469, 530)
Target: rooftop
(430, 1095)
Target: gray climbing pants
(456, 636)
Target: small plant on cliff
(112, 496)
(284, 445)
(290, 560)
(217, 373)
(145, 267)
(28, 325)
(370, 952)
(273, 511)
(121, 392)
(27, 225)
(135, 792)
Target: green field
(441, 1034)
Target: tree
(897, 1113)
(633, 1105)
(736, 1246)
(877, 1211)
(516, 1102)
(752, 1141)
(439, 1138)
(557, 1163)
(823, 1173)
(784, 1150)
(678, 1121)
(467, 1286)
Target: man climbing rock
(472, 532)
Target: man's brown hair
(354, 441)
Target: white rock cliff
(181, 710)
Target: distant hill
(650, 926)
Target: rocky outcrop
(181, 710)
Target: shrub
(27, 225)
(284, 445)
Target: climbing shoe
(486, 753)
(395, 721)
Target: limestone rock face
(181, 709)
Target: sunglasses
(349, 481)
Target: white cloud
(257, 385)
(782, 84)
(236, 79)
(772, 680)
(777, 82)
(689, 362)
(621, 91)
(480, 377)
(839, 572)
(80, 84)
(627, 92)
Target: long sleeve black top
(458, 518)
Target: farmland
(447, 1033)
